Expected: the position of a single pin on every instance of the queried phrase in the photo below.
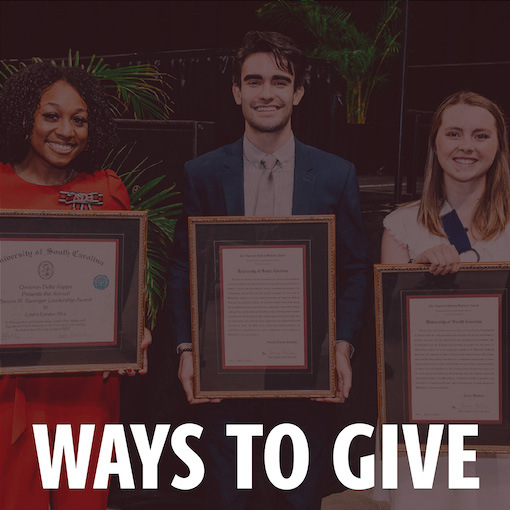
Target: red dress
(52, 399)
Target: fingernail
(129, 370)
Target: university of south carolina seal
(45, 270)
(101, 282)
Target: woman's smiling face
(60, 130)
(466, 143)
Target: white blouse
(403, 225)
(492, 470)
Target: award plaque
(443, 353)
(72, 290)
(263, 306)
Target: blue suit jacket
(323, 184)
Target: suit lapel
(233, 179)
(304, 180)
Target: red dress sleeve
(118, 191)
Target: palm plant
(162, 216)
(359, 56)
(139, 90)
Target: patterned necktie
(266, 195)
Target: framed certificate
(72, 290)
(443, 353)
(263, 306)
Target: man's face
(266, 94)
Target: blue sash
(455, 231)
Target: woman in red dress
(55, 128)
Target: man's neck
(268, 143)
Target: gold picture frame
(263, 306)
(72, 286)
(443, 349)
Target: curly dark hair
(20, 98)
(287, 54)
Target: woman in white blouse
(467, 172)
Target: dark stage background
(452, 45)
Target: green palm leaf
(7, 70)
(163, 210)
(139, 89)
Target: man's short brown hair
(288, 56)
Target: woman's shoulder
(6, 168)
(402, 223)
(99, 176)
(109, 184)
(117, 189)
(7, 181)
(404, 212)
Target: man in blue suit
(270, 173)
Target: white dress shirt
(283, 175)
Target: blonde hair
(492, 212)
